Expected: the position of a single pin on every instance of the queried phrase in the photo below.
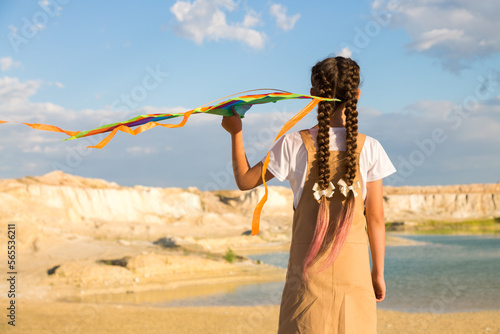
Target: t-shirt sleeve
(379, 164)
(279, 163)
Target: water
(449, 273)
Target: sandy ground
(85, 296)
(56, 317)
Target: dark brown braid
(350, 71)
(325, 110)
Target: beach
(88, 261)
(78, 302)
(56, 317)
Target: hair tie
(344, 188)
(318, 193)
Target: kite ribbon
(140, 129)
(45, 127)
(288, 125)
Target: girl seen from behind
(336, 176)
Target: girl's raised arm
(376, 234)
(246, 178)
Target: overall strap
(310, 147)
(308, 141)
(360, 141)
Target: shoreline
(76, 298)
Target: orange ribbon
(288, 125)
(45, 127)
(140, 129)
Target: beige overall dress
(340, 299)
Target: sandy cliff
(63, 202)
(457, 202)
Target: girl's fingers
(379, 297)
(234, 111)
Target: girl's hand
(378, 287)
(232, 124)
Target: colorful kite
(240, 104)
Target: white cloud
(56, 83)
(454, 31)
(12, 90)
(6, 63)
(426, 137)
(206, 20)
(282, 20)
(33, 149)
(434, 37)
(345, 52)
(251, 19)
(15, 105)
(138, 150)
(50, 6)
(21, 143)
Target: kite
(239, 104)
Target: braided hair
(334, 78)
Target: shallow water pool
(449, 273)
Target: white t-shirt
(289, 160)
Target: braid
(325, 110)
(351, 74)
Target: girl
(336, 176)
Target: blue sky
(430, 90)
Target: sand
(56, 317)
(84, 296)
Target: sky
(430, 83)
